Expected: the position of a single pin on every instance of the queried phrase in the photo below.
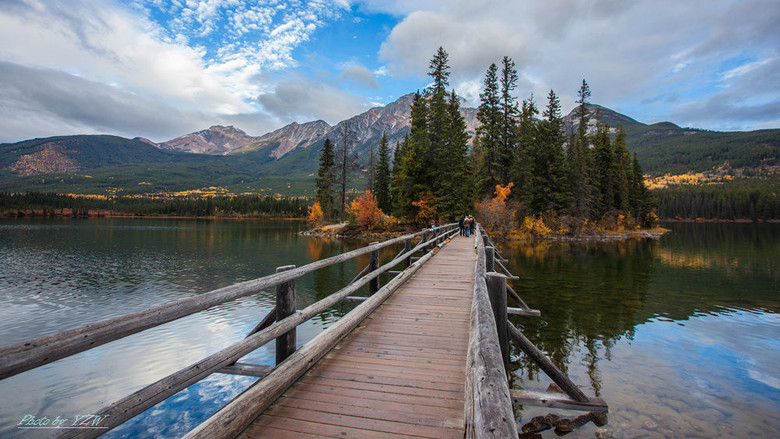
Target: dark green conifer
(326, 178)
(382, 180)
(488, 144)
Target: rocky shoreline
(344, 230)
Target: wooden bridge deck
(400, 374)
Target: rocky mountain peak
(218, 139)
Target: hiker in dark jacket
(460, 224)
(472, 224)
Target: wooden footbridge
(424, 355)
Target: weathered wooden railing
(278, 325)
(488, 411)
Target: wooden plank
(523, 312)
(421, 405)
(363, 423)
(379, 378)
(379, 412)
(321, 430)
(557, 400)
(440, 353)
(371, 371)
(254, 370)
(421, 359)
(410, 402)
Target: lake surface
(680, 336)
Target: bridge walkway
(400, 374)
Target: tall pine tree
(509, 115)
(622, 170)
(604, 174)
(525, 151)
(488, 141)
(551, 192)
(326, 178)
(382, 181)
(578, 159)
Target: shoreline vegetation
(347, 230)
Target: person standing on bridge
(472, 224)
(466, 226)
(460, 224)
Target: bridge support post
(285, 306)
(407, 247)
(373, 264)
(490, 258)
(496, 286)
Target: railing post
(407, 247)
(496, 286)
(285, 306)
(373, 264)
(424, 238)
(485, 238)
(490, 257)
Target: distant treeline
(737, 200)
(51, 204)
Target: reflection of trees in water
(589, 295)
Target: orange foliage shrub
(426, 213)
(366, 210)
(496, 217)
(315, 214)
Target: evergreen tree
(326, 177)
(454, 186)
(551, 191)
(382, 181)
(488, 143)
(604, 174)
(509, 114)
(525, 151)
(578, 158)
(437, 125)
(346, 162)
(412, 168)
(622, 168)
(639, 196)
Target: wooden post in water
(496, 286)
(373, 264)
(490, 258)
(285, 306)
(407, 247)
(560, 378)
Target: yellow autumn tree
(315, 214)
(496, 217)
(426, 210)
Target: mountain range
(285, 161)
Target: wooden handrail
(488, 410)
(139, 401)
(30, 354)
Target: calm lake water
(680, 336)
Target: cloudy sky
(163, 68)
